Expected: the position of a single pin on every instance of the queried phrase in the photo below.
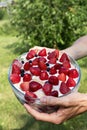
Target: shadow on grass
(77, 123)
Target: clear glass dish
(35, 102)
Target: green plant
(49, 23)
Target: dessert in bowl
(43, 72)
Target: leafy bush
(49, 23)
(2, 13)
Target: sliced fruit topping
(24, 86)
(15, 69)
(35, 71)
(53, 70)
(44, 75)
(42, 59)
(52, 60)
(53, 54)
(70, 82)
(62, 77)
(64, 88)
(42, 65)
(73, 73)
(27, 66)
(66, 64)
(34, 86)
(15, 78)
(58, 66)
(35, 61)
(30, 54)
(54, 93)
(63, 70)
(17, 62)
(53, 80)
(64, 57)
(42, 52)
(47, 88)
(29, 96)
(27, 77)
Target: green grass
(13, 116)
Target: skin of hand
(70, 106)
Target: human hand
(70, 106)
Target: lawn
(13, 116)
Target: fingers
(49, 100)
(40, 116)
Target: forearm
(78, 49)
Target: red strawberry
(34, 86)
(62, 77)
(70, 82)
(42, 59)
(30, 54)
(53, 54)
(43, 75)
(53, 80)
(42, 65)
(27, 66)
(29, 96)
(52, 60)
(42, 52)
(58, 66)
(24, 86)
(63, 88)
(17, 62)
(35, 61)
(47, 88)
(27, 77)
(15, 69)
(15, 78)
(63, 70)
(53, 70)
(54, 93)
(66, 64)
(73, 73)
(35, 71)
(64, 57)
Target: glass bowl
(35, 102)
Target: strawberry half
(15, 78)
(42, 65)
(29, 96)
(44, 75)
(64, 57)
(15, 69)
(27, 66)
(53, 80)
(47, 87)
(73, 73)
(70, 82)
(35, 71)
(62, 77)
(27, 77)
(64, 88)
(34, 86)
(53, 54)
(24, 86)
(30, 54)
(53, 70)
(42, 52)
(54, 93)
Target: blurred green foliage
(49, 23)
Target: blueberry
(30, 61)
(22, 62)
(36, 55)
(48, 69)
(22, 72)
(47, 64)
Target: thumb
(49, 100)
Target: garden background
(27, 23)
